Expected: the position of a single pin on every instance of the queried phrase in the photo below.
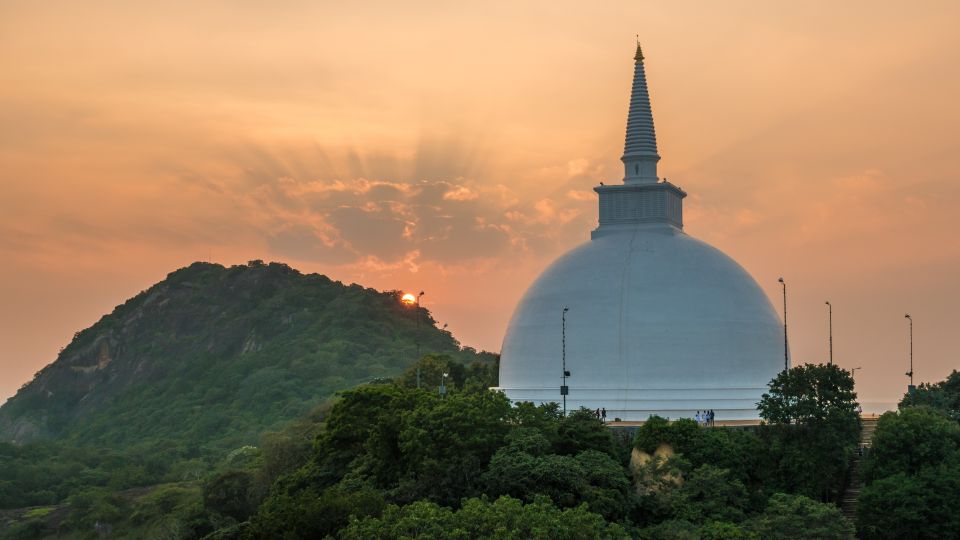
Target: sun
(408, 299)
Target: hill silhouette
(209, 358)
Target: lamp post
(854, 380)
(419, 296)
(830, 311)
(786, 359)
(564, 390)
(910, 373)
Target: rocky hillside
(212, 356)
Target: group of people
(703, 418)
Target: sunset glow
(454, 147)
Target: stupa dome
(657, 321)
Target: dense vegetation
(943, 396)
(409, 460)
(913, 468)
(198, 367)
(390, 460)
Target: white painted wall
(659, 323)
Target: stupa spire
(642, 198)
(640, 149)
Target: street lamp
(854, 370)
(419, 296)
(564, 390)
(830, 308)
(910, 373)
(786, 359)
(443, 385)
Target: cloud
(391, 222)
(461, 193)
(582, 196)
(303, 243)
(373, 228)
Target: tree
(680, 435)
(544, 418)
(910, 440)
(582, 430)
(671, 530)
(30, 529)
(504, 518)
(228, 494)
(912, 506)
(524, 469)
(709, 494)
(913, 469)
(684, 530)
(798, 518)
(431, 368)
(809, 394)
(171, 511)
(608, 490)
(720, 530)
(813, 430)
(806, 460)
(524, 476)
(282, 453)
(944, 395)
(486, 374)
(737, 450)
(445, 444)
(95, 505)
(304, 514)
(366, 421)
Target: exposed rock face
(218, 352)
(24, 429)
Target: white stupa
(658, 322)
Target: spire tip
(639, 56)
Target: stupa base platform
(637, 405)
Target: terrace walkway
(848, 504)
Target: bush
(91, 506)
(505, 518)
(306, 515)
(799, 518)
(912, 506)
(228, 494)
(909, 440)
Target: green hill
(211, 357)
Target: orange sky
(452, 147)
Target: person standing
(603, 414)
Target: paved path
(634, 423)
(849, 503)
